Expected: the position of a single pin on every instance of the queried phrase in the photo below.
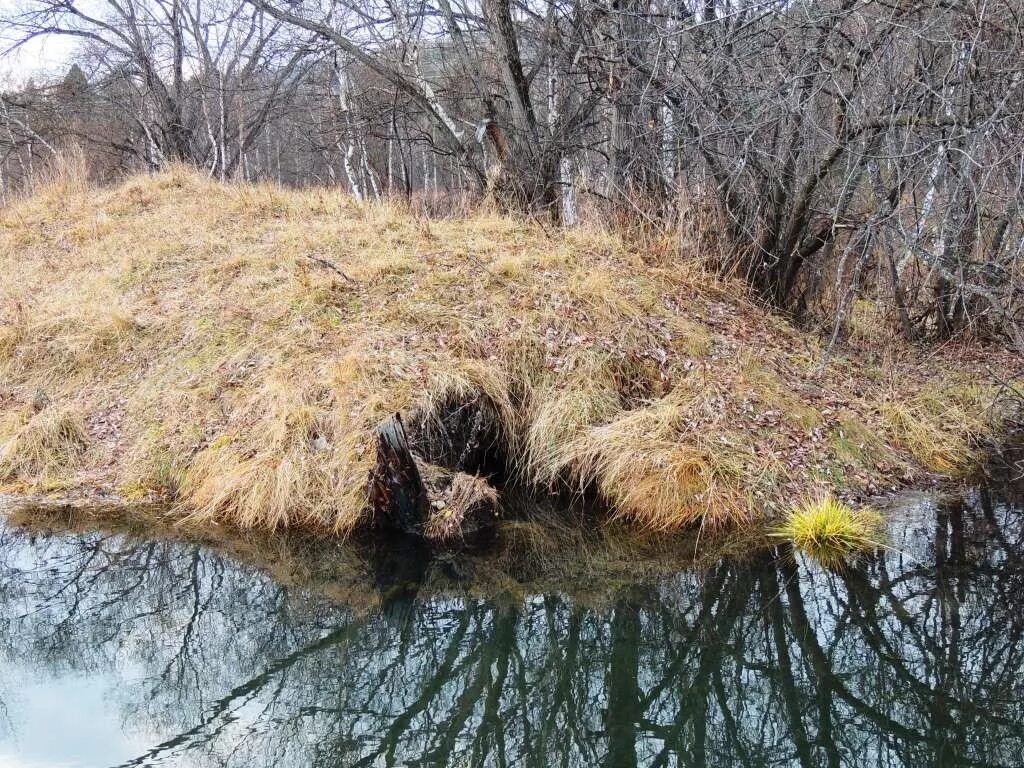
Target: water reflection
(170, 655)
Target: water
(121, 652)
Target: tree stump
(397, 493)
(440, 504)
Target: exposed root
(466, 509)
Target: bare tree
(830, 150)
(198, 81)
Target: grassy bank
(235, 347)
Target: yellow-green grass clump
(235, 347)
(939, 424)
(829, 530)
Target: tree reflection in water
(913, 659)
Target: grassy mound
(235, 347)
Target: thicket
(825, 151)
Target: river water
(120, 651)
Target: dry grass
(939, 424)
(40, 446)
(235, 347)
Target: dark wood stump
(396, 490)
(441, 504)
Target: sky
(65, 722)
(39, 59)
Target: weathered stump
(419, 498)
(396, 490)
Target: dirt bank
(236, 348)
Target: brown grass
(940, 423)
(236, 346)
(41, 445)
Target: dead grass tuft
(290, 462)
(940, 424)
(10, 337)
(40, 446)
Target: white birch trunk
(347, 151)
(391, 166)
(368, 173)
(567, 191)
(223, 127)
(936, 175)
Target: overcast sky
(40, 58)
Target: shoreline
(538, 554)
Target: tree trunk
(396, 490)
